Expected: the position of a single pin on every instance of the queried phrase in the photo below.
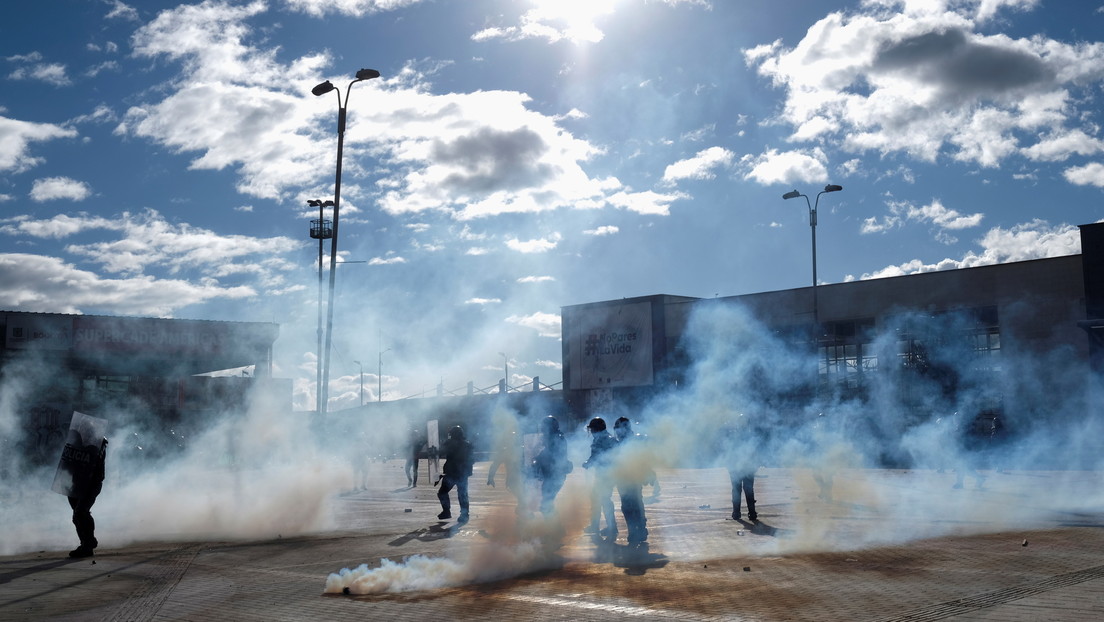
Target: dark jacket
(552, 460)
(600, 445)
(459, 458)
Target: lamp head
(323, 88)
(314, 203)
(367, 74)
(832, 188)
(792, 194)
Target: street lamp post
(322, 89)
(379, 376)
(793, 194)
(506, 372)
(321, 229)
(361, 382)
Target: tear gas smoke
(748, 404)
(262, 472)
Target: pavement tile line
(617, 610)
(145, 602)
(960, 606)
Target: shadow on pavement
(426, 534)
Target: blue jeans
(447, 484)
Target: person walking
(601, 502)
(551, 465)
(508, 453)
(740, 445)
(458, 468)
(630, 483)
(87, 484)
(415, 445)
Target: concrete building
(145, 372)
(1001, 340)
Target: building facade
(145, 373)
(1008, 340)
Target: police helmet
(550, 425)
(597, 424)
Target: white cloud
(648, 202)
(574, 21)
(356, 8)
(700, 134)
(48, 284)
(472, 155)
(546, 324)
(701, 166)
(601, 231)
(900, 212)
(483, 301)
(54, 188)
(787, 167)
(541, 245)
(50, 73)
(916, 78)
(147, 242)
(60, 226)
(386, 261)
(15, 137)
(123, 11)
(1091, 174)
(225, 105)
(1061, 145)
(1033, 240)
(535, 279)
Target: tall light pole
(379, 376)
(793, 194)
(505, 371)
(322, 89)
(321, 229)
(361, 382)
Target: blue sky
(515, 157)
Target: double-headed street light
(793, 194)
(320, 230)
(322, 89)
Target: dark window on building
(845, 353)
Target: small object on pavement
(408, 510)
(345, 590)
(703, 507)
(747, 568)
(1024, 543)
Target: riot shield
(433, 443)
(81, 461)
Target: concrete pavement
(888, 545)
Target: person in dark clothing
(630, 487)
(457, 470)
(551, 465)
(415, 446)
(743, 480)
(87, 484)
(599, 464)
(740, 444)
(509, 453)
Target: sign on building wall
(149, 336)
(27, 331)
(611, 347)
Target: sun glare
(575, 18)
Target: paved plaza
(886, 545)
